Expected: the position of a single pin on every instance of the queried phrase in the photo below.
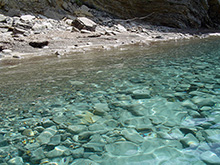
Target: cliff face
(174, 13)
(50, 8)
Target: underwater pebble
(200, 101)
(167, 152)
(94, 147)
(32, 146)
(122, 148)
(141, 94)
(176, 134)
(77, 83)
(136, 109)
(96, 127)
(212, 135)
(77, 153)
(100, 109)
(189, 104)
(44, 137)
(37, 155)
(76, 129)
(210, 157)
(55, 140)
(58, 151)
(28, 132)
(190, 141)
(83, 161)
(16, 161)
(47, 123)
(132, 135)
(205, 108)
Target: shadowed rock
(38, 44)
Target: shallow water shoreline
(114, 107)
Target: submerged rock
(210, 157)
(55, 140)
(89, 118)
(37, 155)
(190, 141)
(76, 129)
(77, 153)
(132, 135)
(46, 135)
(94, 147)
(122, 148)
(200, 101)
(212, 135)
(141, 94)
(100, 109)
(28, 132)
(165, 152)
(83, 161)
(16, 161)
(58, 151)
(136, 109)
(189, 104)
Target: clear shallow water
(157, 105)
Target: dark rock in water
(38, 44)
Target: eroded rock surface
(174, 13)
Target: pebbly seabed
(143, 105)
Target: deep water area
(137, 105)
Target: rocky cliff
(51, 8)
(174, 13)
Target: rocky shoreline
(29, 35)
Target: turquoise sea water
(136, 105)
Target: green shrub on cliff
(79, 2)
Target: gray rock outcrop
(174, 13)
